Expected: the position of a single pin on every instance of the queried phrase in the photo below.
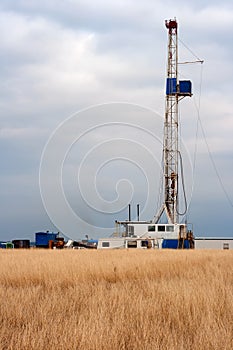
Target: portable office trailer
(109, 242)
(148, 229)
(213, 243)
(128, 243)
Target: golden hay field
(80, 299)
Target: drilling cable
(212, 160)
(183, 187)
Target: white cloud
(21, 133)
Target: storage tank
(21, 243)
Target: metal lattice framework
(170, 143)
(175, 91)
(170, 146)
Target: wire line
(214, 164)
(201, 61)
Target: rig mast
(175, 90)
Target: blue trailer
(43, 238)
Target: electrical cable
(198, 59)
(212, 159)
(183, 187)
(159, 200)
(202, 129)
(199, 122)
(198, 118)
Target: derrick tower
(175, 91)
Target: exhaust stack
(129, 212)
(138, 211)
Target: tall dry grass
(116, 299)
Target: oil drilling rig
(154, 233)
(175, 91)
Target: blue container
(173, 244)
(171, 88)
(170, 244)
(186, 244)
(43, 238)
(3, 245)
(185, 87)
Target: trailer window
(225, 245)
(151, 228)
(170, 228)
(161, 228)
(105, 244)
(144, 244)
(131, 230)
(132, 244)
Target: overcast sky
(61, 57)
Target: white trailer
(128, 243)
(146, 235)
(213, 243)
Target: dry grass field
(80, 299)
